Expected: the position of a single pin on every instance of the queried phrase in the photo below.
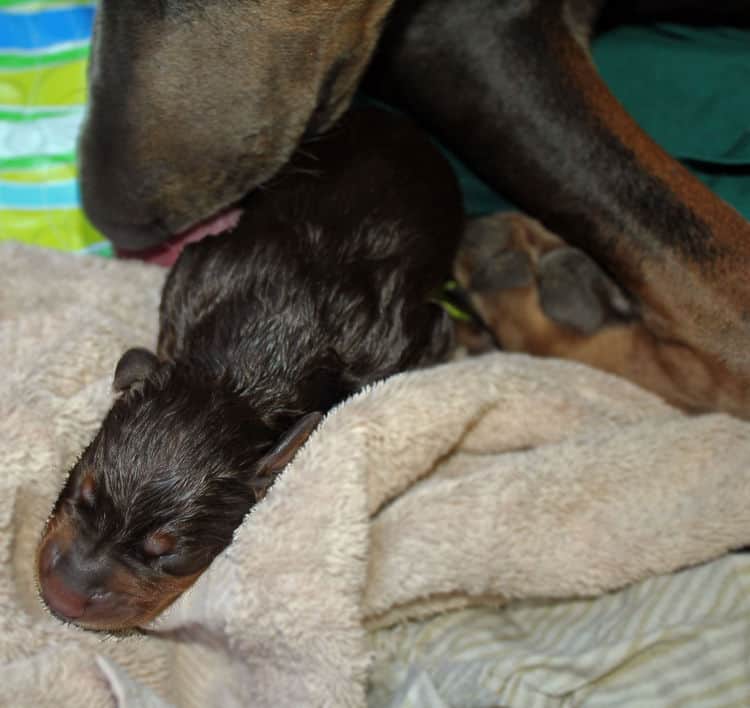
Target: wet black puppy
(325, 286)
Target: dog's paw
(531, 288)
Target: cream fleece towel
(471, 483)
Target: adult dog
(193, 103)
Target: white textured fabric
(493, 478)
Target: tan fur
(685, 376)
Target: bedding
(43, 50)
(376, 630)
(668, 642)
(539, 481)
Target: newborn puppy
(324, 287)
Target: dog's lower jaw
(167, 252)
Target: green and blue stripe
(42, 195)
(44, 46)
(45, 28)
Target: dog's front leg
(511, 87)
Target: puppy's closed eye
(159, 544)
(87, 491)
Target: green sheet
(689, 88)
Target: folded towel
(471, 483)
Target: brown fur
(256, 343)
(714, 293)
(195, 105)
(208, 137)
(518, 322)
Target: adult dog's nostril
(63, 600)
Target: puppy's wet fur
(324, 287)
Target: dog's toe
(575, 292)
(507, 269)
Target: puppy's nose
(63, 600)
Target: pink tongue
(166, 254)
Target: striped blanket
(673, 641)
(43, 51)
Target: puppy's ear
(134, 367)
(282, 454)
